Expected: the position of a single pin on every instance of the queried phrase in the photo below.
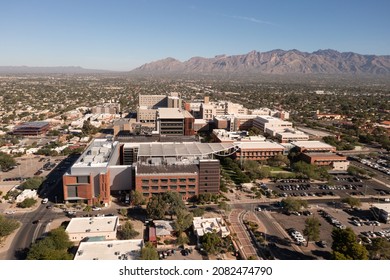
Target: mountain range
(274, 62)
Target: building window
(146, 194)
(82, 179)
(173, 180)
(145, 188)
(191, 186)
(154, 180)
(164, 180)
(173, 187)
(154, 187)
(183, 187)
(145, 181)
(191, 179)
(164, 187)
(182, 180)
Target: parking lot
(29, 166)
(333, 215)
(340, 186)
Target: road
(29, 231)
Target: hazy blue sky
(121, 35)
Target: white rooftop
(170, 113)
(182, 149)
(92, 224)
(110, 250)
(311, 144)
(208, 225)
(97, 154)
(259, 145)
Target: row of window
(172, 180)
(184, 194)
(171, 187)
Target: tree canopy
(210, 242)
(168, 203)
(346, 247)
(312, 229)
(32, 183)
(352, 201)
(379, 249)
(183, 220)
(293, 204)
(149, 252)
(6, 161)
(54, 246)
(127, 231)
(28, 202)
(7, 226)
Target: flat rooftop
(182, 149)
(170, 113)
(167, 169)
(32, 125)
(325, 155)
(98, 154)
(263, 145)
(312, 144)
(110, 250)
(92, 224)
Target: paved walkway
(244, 240)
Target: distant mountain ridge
(275, 62)
(48, 70)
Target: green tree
(174, 202)
(224, 206)
(32, 183)
(182, 239)
(156, 207)
(312, 229)
(54, 246)
(379, 249)
(293, 204)
(6, 161)
(123, 212)
(149, 252)
(198, 212)
(88, 128)
(168, 203)
(137, 198)
(127, 231)
(346, 247)
(211, 242)
(278, 160)
(28, 202)
(352, 201)
(7, 226)
(183, 221)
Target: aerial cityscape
(241, 151)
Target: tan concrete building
(79, 229)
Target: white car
(95, 208)
(10, 212)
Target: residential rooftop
(110, 250)
(92, 224)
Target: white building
(267, 122)
(26, 194)
(81, 228)
(110, 250)
(208, 225)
